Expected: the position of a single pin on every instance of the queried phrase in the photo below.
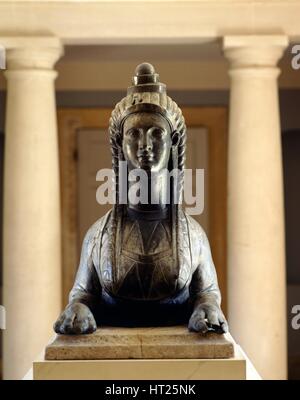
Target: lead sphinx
(145, 264)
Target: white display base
(174, 369)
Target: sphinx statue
(145, 263)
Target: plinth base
(174, 342)
(141, 353)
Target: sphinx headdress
(148, 94)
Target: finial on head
(144, 69)
(145, 79)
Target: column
(32, 281)
(256, 254)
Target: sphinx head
(147, 127)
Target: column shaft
(32, 269)
(256, 256)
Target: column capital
(31, 52)
(254, 51)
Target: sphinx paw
(76, 319)
(208, 317)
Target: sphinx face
(146, 141)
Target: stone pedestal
(141, 353)
(122, 343)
